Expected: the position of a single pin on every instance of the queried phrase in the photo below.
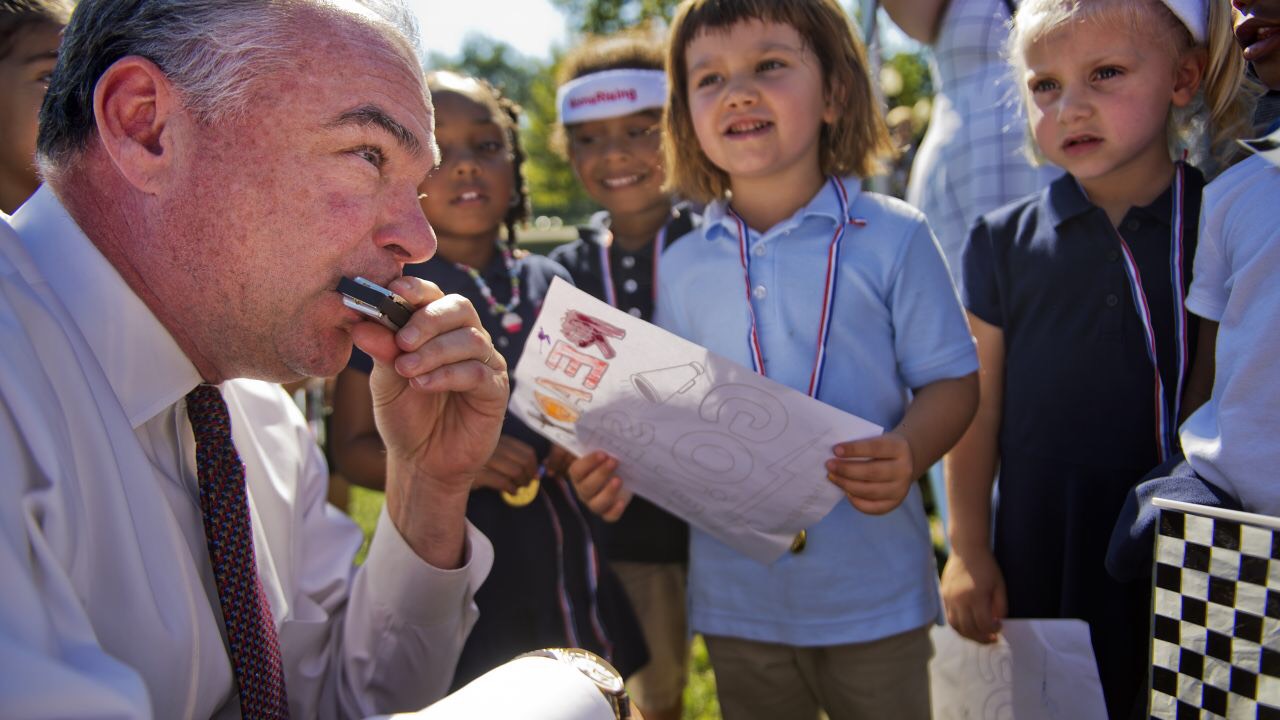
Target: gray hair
(211, 51)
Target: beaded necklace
(511, 322)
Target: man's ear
(133, 105)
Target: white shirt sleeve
(1210, 272)
(52, 665)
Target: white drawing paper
(733, 453)
(1037, 670)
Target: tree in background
(602, 17)
(495, 61)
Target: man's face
(24, 76)
(318, 180)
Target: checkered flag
(1215, 645)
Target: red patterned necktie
(251, 634)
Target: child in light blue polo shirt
(772, 120)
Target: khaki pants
(657, 594)
(886, 678)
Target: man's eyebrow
(374, 115)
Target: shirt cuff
(1205, 306)
(415, 591)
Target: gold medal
(801, 539)
(523, 495)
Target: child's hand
(597, 486)
(973, 594)
(558, 461)
(875, 473)
(512, 465)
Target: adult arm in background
(973, 590)
(919, 19)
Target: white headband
(611, 93)
(1194, 14)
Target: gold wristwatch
(598, 670)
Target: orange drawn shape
(556, 410)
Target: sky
(530, 26)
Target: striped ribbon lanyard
(592, 569)
(611, 292)
(828, 293)
(1166, 411)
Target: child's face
(758, 102)
(469, 194)
(24, 76)
(1099, 97)
(1257, 24)
(619, 161)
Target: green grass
(700, 694)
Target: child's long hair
(1224, 106)
(635, 49)
(506, 113)
(855, 144)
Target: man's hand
(597, 486)
(973, 594)
(439, 394)
(875, 473)
(511, 466)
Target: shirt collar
(824, 204)
(147, 370)
(1065, 199)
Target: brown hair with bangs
(855, 144)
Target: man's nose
(407, 234)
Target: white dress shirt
(107, 600)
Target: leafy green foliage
(602, 17)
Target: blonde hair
(1223, 108)
(854, 144)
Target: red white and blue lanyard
(1166, 412)
(610, 291)
(567, 613)
(828, 293)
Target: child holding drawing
(803, 276)
(1076, 298)
(549, 586)
(612, 90)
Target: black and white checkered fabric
(1216, 627)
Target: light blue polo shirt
(897, 324)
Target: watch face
(594, 667)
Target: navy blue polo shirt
(1078, 427)
(1048, 271)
